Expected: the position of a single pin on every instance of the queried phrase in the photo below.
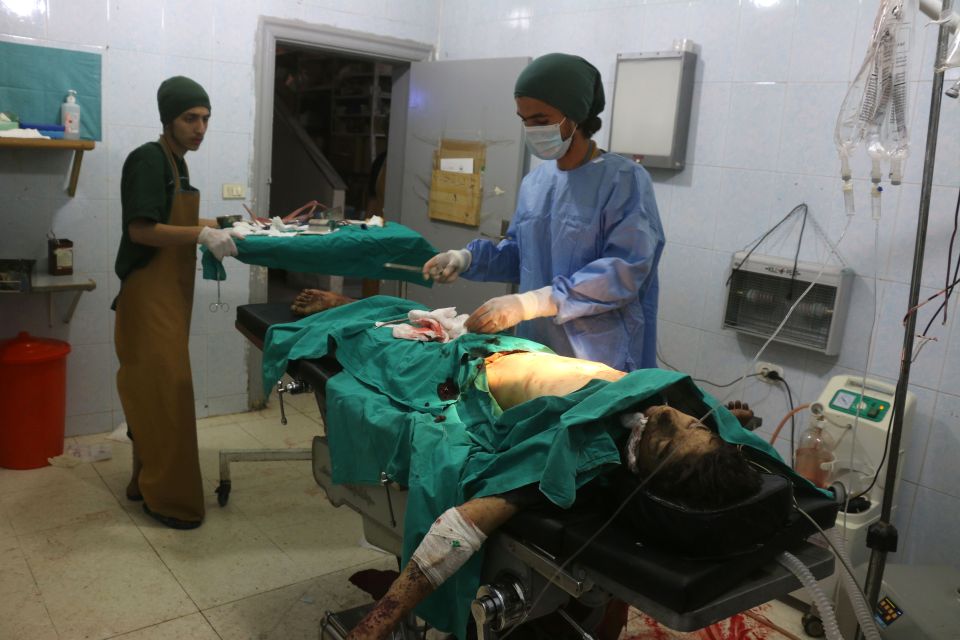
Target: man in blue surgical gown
(585, 240)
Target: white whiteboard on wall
(651, 107)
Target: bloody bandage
(449, 543)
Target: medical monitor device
(763, 288)
(652, 96)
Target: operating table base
(252, 455)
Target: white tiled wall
(768, 87)
(770, 81)
(214, 42)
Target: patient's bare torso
(515, 377)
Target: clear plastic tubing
(820, 599)
(867, 624)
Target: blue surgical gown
(594, 235)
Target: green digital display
(853, 403)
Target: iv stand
(882, 535)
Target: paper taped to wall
(457, 165)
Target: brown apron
(154, 381)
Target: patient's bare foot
(311, 301)
(741, 411)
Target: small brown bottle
(60, 257)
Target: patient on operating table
(689, 463)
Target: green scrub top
(421, 413)
(146, 191)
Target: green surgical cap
(568, 83)
(176, 95)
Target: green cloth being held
(350, 251)
(421, 413)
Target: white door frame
(270, 31)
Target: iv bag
(875, 106)
(893, 127)
(862, 101)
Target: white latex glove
(447, 266)
(503, 312)
(218, 241)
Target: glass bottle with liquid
(814, 455)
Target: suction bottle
(814, 454)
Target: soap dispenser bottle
(70, 116)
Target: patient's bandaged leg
(449, 543)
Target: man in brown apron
(156, 263)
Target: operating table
(545, 557)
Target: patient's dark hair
(710, 480)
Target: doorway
(343, 104)
(330, 126)
(338, 49)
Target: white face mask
(546, 142)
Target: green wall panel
(34, 81)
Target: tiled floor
(78, 560)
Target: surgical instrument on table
(257, 221)
(401, 267)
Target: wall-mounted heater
(763, 288)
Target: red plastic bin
(33, 394)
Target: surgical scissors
(219, 305)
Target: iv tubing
(824, 606)
(875, 193)
(848, 205)
(866, 367)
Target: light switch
(234, 192)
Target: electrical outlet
(763, 368)
(234, 192)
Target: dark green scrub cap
(177, 94)
(569, 83)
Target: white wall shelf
(77, 146)
(76, 283)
